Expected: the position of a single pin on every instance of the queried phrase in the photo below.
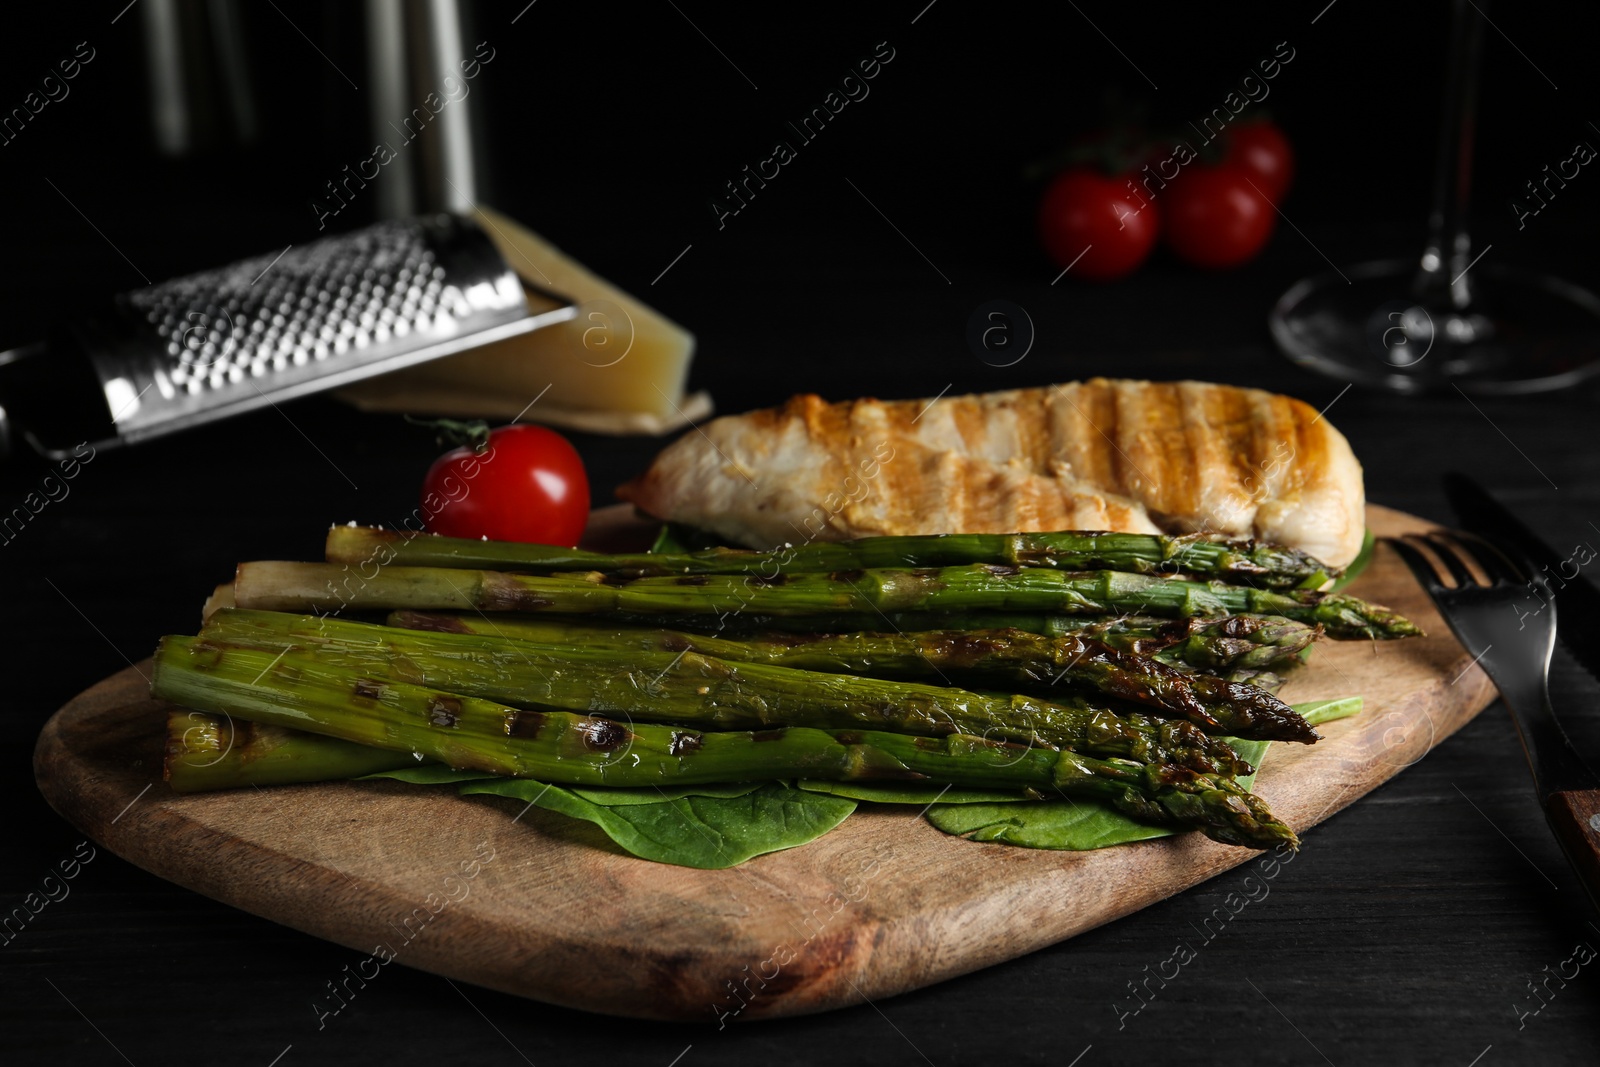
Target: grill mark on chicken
(1228, 412)
(1313, 445)
(1106, 424)
(1165, 452)
(1032, 420)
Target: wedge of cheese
(619, 366)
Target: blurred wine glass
(1446, 320)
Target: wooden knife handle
(1575, 818)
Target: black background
(1406, 930)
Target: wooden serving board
(884, 904)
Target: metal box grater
(272, 328)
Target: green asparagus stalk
(296, 756)
(219, 752)
(303, 691)
(1012, 660)
(326, 587)
(685, 687)
(1212, 555)
(1214, 645)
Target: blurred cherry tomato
(1214, 218)
(528, 485)
(1264, 153)
(1087, 214)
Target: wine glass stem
(1442, 277)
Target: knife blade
(1575, 596)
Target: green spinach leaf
(912, 793)
(1056, 824)
(617, 797)
(428, 774)
(676, 538)
(691, 831)
(439, 774)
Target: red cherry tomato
(1264, 153)
(528, 485)
(1086, 214)
(1215, 219)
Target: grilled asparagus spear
(304, 691)
(325, 586)
(1211, 555)
(686, 687)
(1012, 660)
(1215, 645)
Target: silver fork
(1513, 645)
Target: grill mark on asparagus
(444, 711)
(525, 724)
(434, 621)
(501, 592)
(603, 735)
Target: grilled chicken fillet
(1104, 454)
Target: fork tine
(1454, 557)
(1419, 565)
(1494, 560)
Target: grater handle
(214, 344)
(51, 399)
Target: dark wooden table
(1407, 931)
